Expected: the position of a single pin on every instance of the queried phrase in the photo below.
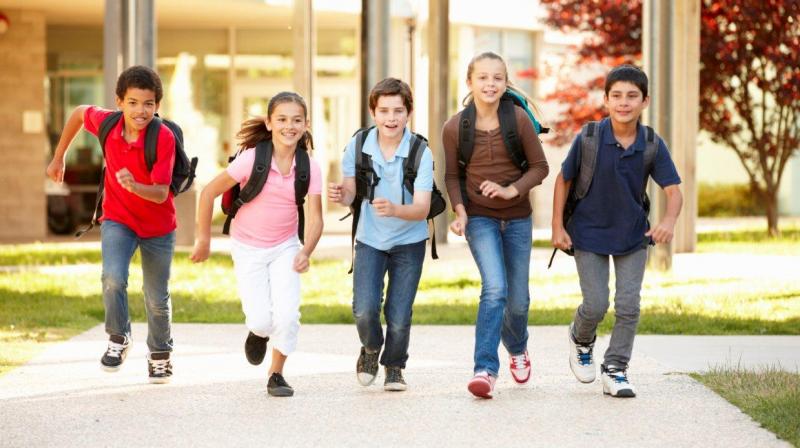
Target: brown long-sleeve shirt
(490, 161)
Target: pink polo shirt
(271, 217)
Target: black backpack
(589, 147)
(367, 179)
(236, 197)
(508, 127)
(183, 171)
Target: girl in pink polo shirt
(267, 254)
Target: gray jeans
(593, 274)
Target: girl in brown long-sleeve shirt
(495, 216)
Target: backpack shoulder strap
(466, 144)
(302, 179)
(106, 126)
(258, 174)
(151, 142)
(590, 144)
(651, 145)
(416, 149)
(508, 127)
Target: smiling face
(391, 116)
(138, 107)
(625, 102)
(488, 80)
(287, 124)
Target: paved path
(62, 398)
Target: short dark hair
(139, 77)
(627, 73)
(391, 87)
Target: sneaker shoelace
(160, 367)
(520, 361)
(114, 349)
(279, 380)
(585, 355)
(394, 376)
(619, 376)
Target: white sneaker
(581, 359)
(615, 382)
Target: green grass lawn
(54, 292)
(770, 396)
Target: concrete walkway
(62, 398)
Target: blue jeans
(502, 251)
(118, 245)
(404, 264)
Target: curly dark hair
(139, 77)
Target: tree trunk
(772, 213)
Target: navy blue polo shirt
(610, 219)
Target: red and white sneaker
(482, 385)
(521, 367)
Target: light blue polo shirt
(379, 232)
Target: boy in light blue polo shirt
(391, 233)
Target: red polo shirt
(145, 218)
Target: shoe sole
(280, 392)
(159, 380)
(365, 379)
(520, 381)
(110, 369)
(395, 387)
(480, 389)
(622, 393)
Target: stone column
(374, 49)
(438, 88)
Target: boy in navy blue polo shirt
(610, 221)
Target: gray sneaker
(367, 367)
(394, 380)
(159, 367)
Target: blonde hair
(509, 85)
(255, 130)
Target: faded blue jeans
(502, 251)
(118, 245)
(404, 265)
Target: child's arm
(416, 211)
(343, 193)
(665, 230)
(205, 206)
(313, 231)
(154, 193)
(560, 237)
(55, 170)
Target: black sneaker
(159, 367)
(255, 347)
(278, 387)
(367, 367)
(115, 353)
(394, 381)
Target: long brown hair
(254, 129)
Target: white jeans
(269, 288)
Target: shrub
(715, 200)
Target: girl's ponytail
(253, 131)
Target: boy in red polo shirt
(138, 211)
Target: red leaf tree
(614, 30)
(750, 87)
(749, 77)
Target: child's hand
(459, 225)
(55, 170)
(335, 193)
(663, 232)
(200, 252)
(383, 207)
(493, 190)
(125, 178)
(561, 239)
(301, 262)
